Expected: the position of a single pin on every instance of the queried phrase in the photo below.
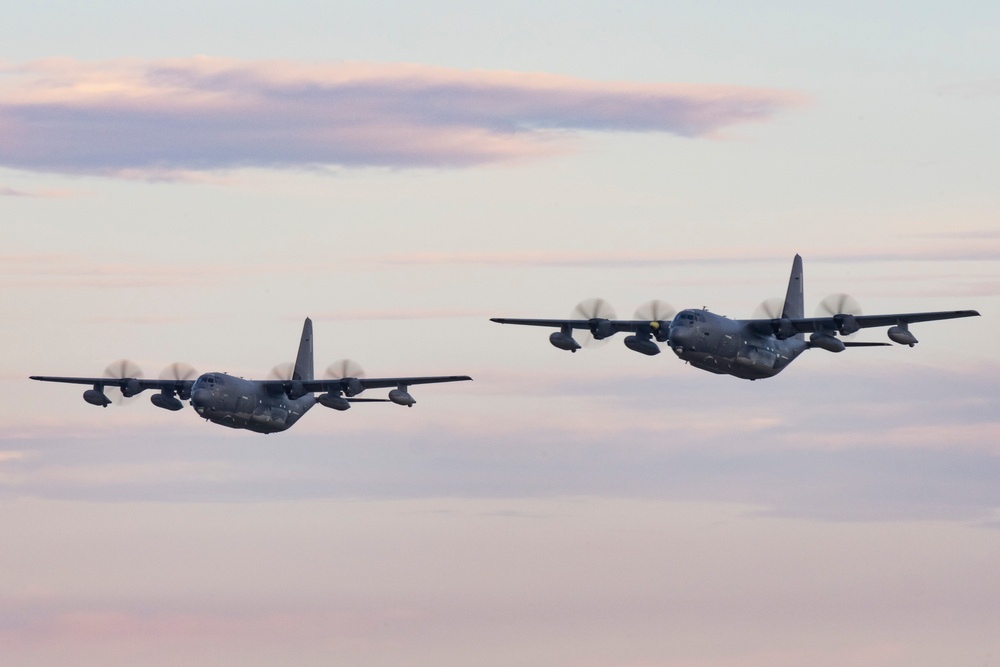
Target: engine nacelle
(401, 397)
(295, 390)
(902, 335)
(166, 401)
(131, 388)
(783, 328)
(642, 345)
(661, 331)
(846, 324)
(564, 341)
(602, 328)
(333, 401)
(352, 386)
(95, 397)
(825, 341)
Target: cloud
(6, 191)
(156, 118)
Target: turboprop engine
(352, 386)
(294, 390)
(601, 328)
(846, 324)
(783, 328)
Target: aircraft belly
(736, 366)
(260, 416)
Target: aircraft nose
(199, 398)
(681, 337)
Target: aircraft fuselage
(245, 404)
(730, 347)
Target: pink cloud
(133, 117)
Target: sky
(188, 182)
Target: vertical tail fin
(794, 299)
(304, 359)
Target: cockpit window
(690, 317)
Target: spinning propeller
(769, 309)
(178, 371)
(283, 371)
(841, 307)
(594, 309)
(655, 311)
(659, 314)
(838, 304)
(119, 370)
(344, 368)
(181, 372)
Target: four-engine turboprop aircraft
(264, 406)
(750, 349)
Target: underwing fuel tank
(333, 401)
(401, 397)
(902, 336)
(95, 397)
(166, 401)
(564, 341)
(825, 341)
(642, 345)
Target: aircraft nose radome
(200, 397)
(681, 336)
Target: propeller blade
(178, 371)
(769, 309)
(655, 311)
(282, 371)
(838, 304)
(589, 309)
(344, 368)
(120, 369)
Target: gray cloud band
(205, 114)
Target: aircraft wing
(616, 325)
(833, 323)
(366, 383)
(137, 384)
(378, 383)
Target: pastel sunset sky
(187, 181)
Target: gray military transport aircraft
(750, 349)
(263, 406)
